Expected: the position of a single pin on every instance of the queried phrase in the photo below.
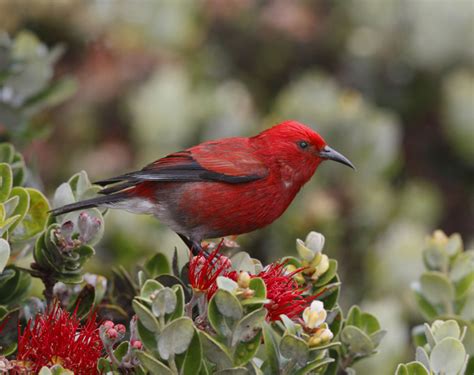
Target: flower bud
(88, 227)
(111, 333)
(243, 280)
(136, 344)
(321, 336)
(108, 324)
(311, 247)
(315, 315)
(321, 268)
(120, 329)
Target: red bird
(218, 188)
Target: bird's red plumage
(222, 187)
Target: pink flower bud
(111, 333)
(108, 324)
(120, 328)
(136, 344)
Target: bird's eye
(303, 144)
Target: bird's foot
(194, 246)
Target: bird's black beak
(331, 154)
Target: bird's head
(297, 146)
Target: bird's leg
(194, 246)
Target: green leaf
(7, 152)
(245, 351)
(104, 366)
(448, 328)
(357, 341)
(448, 356)
(179, 309)
(435, 258)
(157, 265)
(22, 206)
(436, 287)
(164, 303)
(328, 275)
(175, 337)
(226, 284)
(215, 352)
(193, 358)
(426, 308)
(227, 304)
(258, 286)
(217, 320)
(150, 287)
(272, 355)
(63, 195)
(242, 261)
(462, 265)
(292, 347)
(247, 327)
(314, 365)
(36, 217)
(84, 302)
(233, 371)
(6, 181)
(4, 253)
(464, 285)
(121, 350)
(146, 337)
(153, 365)
(145, 316)
(412, 368)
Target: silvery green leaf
(4, 253)
(436, 287)
(357, 340)
(145, 316)
(454, 244)
(164, 302)
(448, 357)
(243, 262)
(63, 195)
(292, 347)
(227, 304)
(412, 368)
(176, 337)
(462, 265)
(154, 366)
(303, 251)
(215, 352)
(448, 328)
(227, 284)
(429, 335)
(422, 357)
(150, 287)
(248, 326)
(435, 258)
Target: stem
(172, 364)
(110, 353)
(289, 366)
(190, 305)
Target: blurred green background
(388, 83)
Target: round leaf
(6, 181)
(175, 337)
(357, 341)
(436, 287)
(4, 253)
(227, 304)
(164, 302)
(448, 356)
(293, 347)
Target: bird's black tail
(89, 203)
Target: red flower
(59, 338)
(283, 291)
(204, 270)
